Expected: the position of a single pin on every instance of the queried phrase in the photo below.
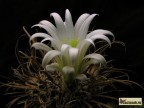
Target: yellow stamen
(73, 42)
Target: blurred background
(124, 18)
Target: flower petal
(99, 36)
(69, 24)
(65, 54)
(49, 56)
(100, 31)
(43, 35)
(80, 21)
(64, 47)
(48, 24)
(73, 53)
(52, 67)
(56, 44)
(68, 70)
(85, 26)
(59, 24)
(47, 39)
(96, 57)
(86, 64)
(85, 42)
(81, 77)
(83, 47)
(68, 73)
(41, 46)
(52, 32)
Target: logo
(130, 101)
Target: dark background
(124, 18)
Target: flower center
(73, 42)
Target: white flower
(67, 33)
(69, 43)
